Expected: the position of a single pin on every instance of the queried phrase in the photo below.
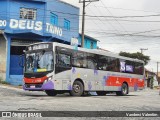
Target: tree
(137, 55)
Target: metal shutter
(23, 42)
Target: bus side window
(102, 62)
(79, 60)
(49, 58)
(91, 64)
(139, 69)
(129, 67)
(117, 65)
(75, 59)
(91, 61)
(64, 60)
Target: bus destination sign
(39, 46)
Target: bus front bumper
(49, 85)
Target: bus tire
(101, 93)
(124, 90)
(86, 93)
(77, 89)
(51, 92)
(118, 93)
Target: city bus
(57, 68)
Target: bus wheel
(51, 92)
(77, 89)
(124, 90)
(101, 93)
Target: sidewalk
(148, 89)
(11, 87)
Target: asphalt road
(15, 99)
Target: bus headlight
(50, 78)
(45, 81)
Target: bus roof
(94, 51)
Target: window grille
(28, 13)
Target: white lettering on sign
(25, 24)
(53, 29)
(13, 23)
(32, 25)
(38, 26)
(22, 24)
(3, 23)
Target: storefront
(23, 23)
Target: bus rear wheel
(124, 90)
(101, 93)
(51, 92)
(77, 89)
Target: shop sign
(3, 23)
(32, 25)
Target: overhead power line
(125, 16)
(145, 31)
(112, 24)
(3, 14)
(155, 15)
(116, 19)
(83, 17)
(115, 34)
(135, 10)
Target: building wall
(14, 8)
(3, 55)
(88, 41)
(148, 77)
(16, 28)
(11, 12)
(3, 5)
(64, 11)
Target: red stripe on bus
(117, 81)
(35, 80)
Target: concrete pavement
(16, 99)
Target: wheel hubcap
(76, 88)
(124, 89)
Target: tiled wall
(2, 57)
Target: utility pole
(157, 70)
(142, 49)
(83, 17)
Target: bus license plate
(32, 86)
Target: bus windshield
(39, 61)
